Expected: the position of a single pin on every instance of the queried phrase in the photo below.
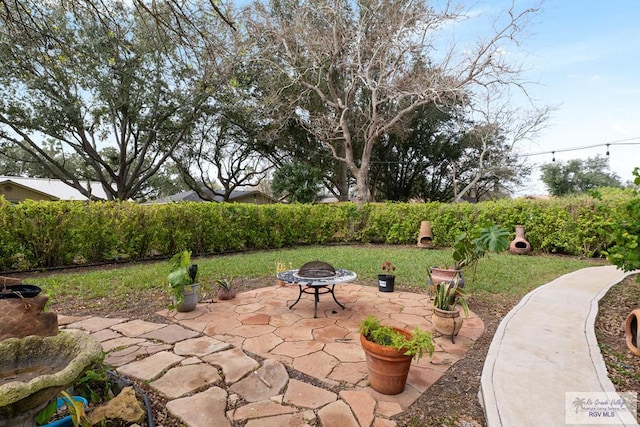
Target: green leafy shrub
(625, 254)
(52, 234)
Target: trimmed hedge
(53, 234)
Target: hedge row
(52, 234)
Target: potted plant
(183, 286)
(386, 281)
(468, 248)
(281, 267)
(227, 290)
(446, 316)
(389, 351)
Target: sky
(585, 56)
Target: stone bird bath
(34, 369)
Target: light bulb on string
(553, 153)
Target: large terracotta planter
(447, 322)
(388, 368)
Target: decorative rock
(124, 407)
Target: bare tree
(499, 129)
(96, 74)
(372, 64)
(223, 155)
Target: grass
(503, 274)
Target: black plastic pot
(18, 291)
(386, 282)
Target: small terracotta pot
(447, 322)
(388, 368)
(225, 294)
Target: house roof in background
(192, 196)
(55, 187)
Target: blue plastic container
(66, 421)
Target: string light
(584, 147)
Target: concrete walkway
(235, 361)
(545, 351)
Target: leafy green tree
(97, 74)
(578, 176)
(298, 182)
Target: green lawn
(505, 274)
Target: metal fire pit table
(308, 284)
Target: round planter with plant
(446, 316)
(389, 351)
(227, 290)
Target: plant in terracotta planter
(389, 351)
(227, 290)
(387, 280)
(183, 286)
(446, 317)
(468, 249)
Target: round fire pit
(317, 277)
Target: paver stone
(171, 334)
(204, 409)
(264, 383)
(307, 395)
(362, 405)
(182, 380)
(264, 408)
(200, 346)
(150, 367)
(337, 413)
(136, 327)
(235, 364)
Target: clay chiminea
(425, 237)
(520, 245)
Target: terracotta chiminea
(520, 245)
(425, 238)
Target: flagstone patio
(255, 337)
